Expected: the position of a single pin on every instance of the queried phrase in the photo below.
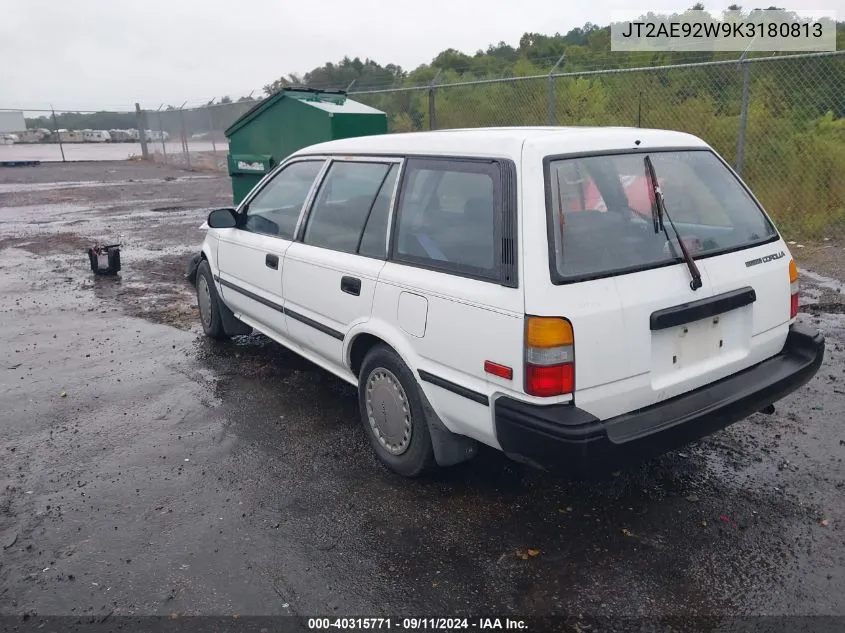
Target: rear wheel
(209, 303)
(392, 413)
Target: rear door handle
(271, 261)
(350, 285)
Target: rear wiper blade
(660, 205)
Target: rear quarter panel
(467, 322)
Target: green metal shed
(289, 120)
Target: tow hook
(769, 410)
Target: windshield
(602, 209)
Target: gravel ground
(147, 470)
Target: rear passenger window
(450, 217)
(344, 203)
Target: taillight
(793, 289)
(549, 356)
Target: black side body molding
(251, 295)
(325, 329)
(448, 385)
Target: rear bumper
(564, 437)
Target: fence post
(185, 148)
(640, 109)
(58, 134)
(161, 134)
(552, 100)
(142, 130)
(432, 107)
(211, 130)
(743, 115)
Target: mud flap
(194, 264)
(231, 325)
(449, 448)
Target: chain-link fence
(193, 137)
(779, 120)
(46, 135)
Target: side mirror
(222, 219)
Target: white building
(11, 121)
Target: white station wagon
(579, 298)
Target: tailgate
(675, 340)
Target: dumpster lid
(331, 96)
(250, 163)
(347, 107)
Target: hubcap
(388, 411)
(204, 300)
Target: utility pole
(743, 109)
(432, 107)
(142, 128)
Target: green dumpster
(246, 170)
(287, 121)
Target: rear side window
(347, 199)
(449, 217)
(600, 212)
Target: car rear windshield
(602, 218)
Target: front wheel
(392, 413)
(209, 303)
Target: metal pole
(211, 127)
(743, 118)
(351, 83)
(58, 135)
(639, 109)
(161, 134)
(142, 126)
(432, 107)
(552, 99)
(743, 111)
(184, 135)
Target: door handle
(350, 285)
(271, 261)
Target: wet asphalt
(147, 470)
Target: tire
(208, 303)
(386, 384)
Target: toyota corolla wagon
(579, 298)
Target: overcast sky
(108, 54)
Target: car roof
(507, 142)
